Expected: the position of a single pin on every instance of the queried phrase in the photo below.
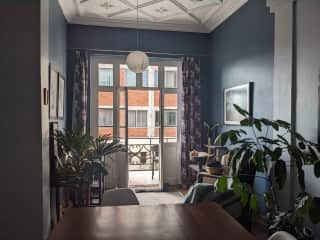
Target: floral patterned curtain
(191, 122)
(80, 89)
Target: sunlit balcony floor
(143, 180)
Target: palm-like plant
(81, 158)
(264, 152)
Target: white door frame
(116, 61)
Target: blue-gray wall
(58, 43)
(242, 51)
(180, 43)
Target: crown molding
(228, 8)
(91, 21)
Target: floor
(143, 180)
(156, 198)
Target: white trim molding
(276, 5)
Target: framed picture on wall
(241, 96)
(61, 84)
(53, 94)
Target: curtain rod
(148, 52)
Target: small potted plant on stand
(81, 159)
(267, 154)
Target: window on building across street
(105, 117)
(106, 75)
(170, 118)
(170, 80)
(137, 119)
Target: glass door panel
(144, 138)
(105, 113)
(170, 117)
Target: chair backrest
(281, 235)
(120, 197)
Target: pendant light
(137, 61)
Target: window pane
(106, 75)
(105, 117)
(170, 77)
(170, 118)
(131, 119)
(150, 77)
(127, 77)
(142, 119)
(157, 119)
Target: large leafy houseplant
(266, 150)
(80, 159)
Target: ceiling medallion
(161, 10)
(107, 5)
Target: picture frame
(53, 93)
(242, 96)
(61, 96)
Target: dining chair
(119, 197)
(281, 235)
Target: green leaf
(244, 198)
(280, 172)
(314, 211)
(317, 169)
(257, 124)
(222, 139)
(233, 137)
(301, 179)
(246, 122)
(258, 159)
(267, 200)
(266, 122)
(222, 184)
(285, 141)
(276, 154)
(275, 126)
(283, 124)
(313, 152)
(241, 111)
(302, 145)
(254, 199)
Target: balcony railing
(143, 153)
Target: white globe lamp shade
(137, 61)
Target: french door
(142, 111)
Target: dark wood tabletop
(175, 222)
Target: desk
(175, 222)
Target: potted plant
(267, 152)
(80, 159)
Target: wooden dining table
(175, 222)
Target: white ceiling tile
(102, 7)
(162, 9)
(179, 19)
(131, 15)
(190, 4)
(134, 2)
(204, 13)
